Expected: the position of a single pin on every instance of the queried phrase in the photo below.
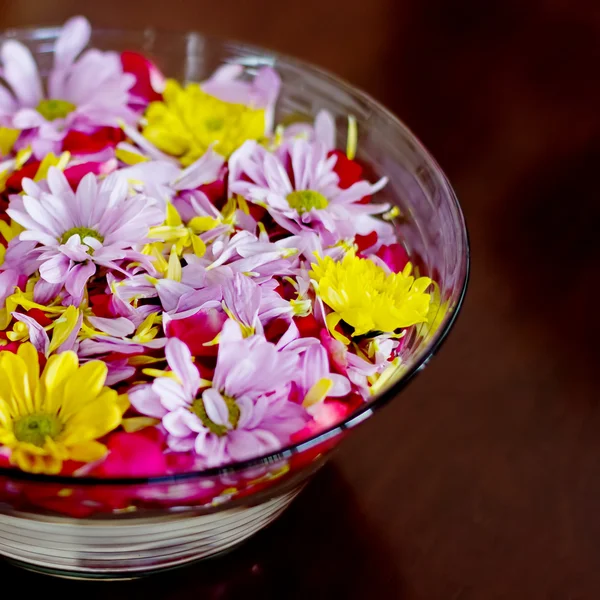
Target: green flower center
(234, 415)
(305, 200)
(214, 124)
(34, 429)
(55, 109)
(83, 233)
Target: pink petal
(325, 129)
(179, 358)
(44, 292)
(73, 38)
(55, 269)
(176, 423)
(78, 278)
(37, 334)
(21, 73)
(27, 118)
(215, 407)
(119, 327)
(146, 401)
(8, 283)
(172, 394)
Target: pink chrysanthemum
(98, 225)
(244, 413)
(307, 197)
(83, 92)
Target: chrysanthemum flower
(365, 297)
(58, 415)
(309, 199)
(190, 120)
(245, 412)
(82, 93)
(99, 225)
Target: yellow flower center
(83, 232)
(55, 109)
(367, 298)
(220, 430)
(188, 121)
(34, 429)
(305, 200)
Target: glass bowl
(122, 528)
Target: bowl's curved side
(430, 220)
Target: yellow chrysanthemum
(367, 298)
(58, 415)
(189, 120)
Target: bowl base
(121, 549)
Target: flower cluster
(183, 283)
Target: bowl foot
(121, 549)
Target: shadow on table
(322, 546)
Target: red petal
(14, 182)
(77, 142)
(143, 70)
(365, 241)
(308, 326)
(349, 171)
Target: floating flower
(314, 201)
(244, 413)
(98, 225)
(365, 297)
(58, 415)
(82, 93)
(189, 121)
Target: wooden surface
(482, 480)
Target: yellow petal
(63, 327)
(198, 245)
(174, 268)
(59, 369)
(51, 160)
(31, 359)
(173, 218)
(134, 424)
(8, 137)
(83, 387)
(15, 376)
(123, 403)
(332, 319)
(318, 392)
(129, 157)
(94, 420)
(87, 451)
(201, 224)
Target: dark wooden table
(483, 479)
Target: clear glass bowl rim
(359, 415)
